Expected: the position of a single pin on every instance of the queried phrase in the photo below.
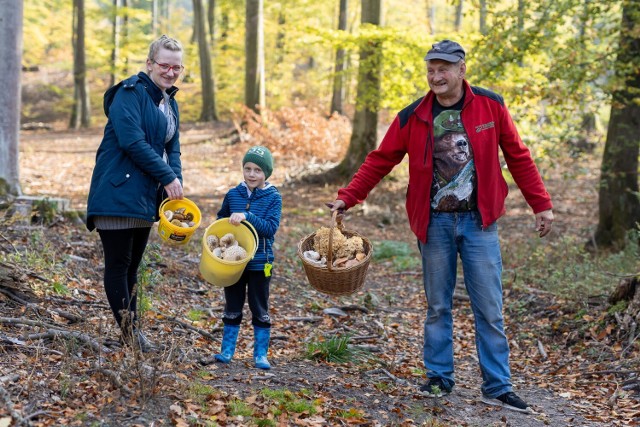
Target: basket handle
(336, 221)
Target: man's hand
(174, 190)
(544, 222)
(338, 205)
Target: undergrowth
(565, 268)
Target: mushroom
(235, 253)
(228, 240)
(212, 242)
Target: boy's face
(253, 176)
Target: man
(456, 193)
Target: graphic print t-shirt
(454, 172)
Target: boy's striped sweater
(262, 208)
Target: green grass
(565, 268)
(288, 401)
(402, 255)
(196, 315)
(239, 408)
(335, 350)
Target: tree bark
(115, 39)
(211, 21)
(619, 199)
(254, 91)
(10, 96)
(338, 79)
(431, 16)
(483, 17)
(364, 136)
(458, 20)
(209, 112)
(80, 113)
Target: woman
(137, 166)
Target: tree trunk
(124, 39)
(80, 113)
(458, 20)
(254, 44)
(364, 136)
(154, 17)
(483, 17)
(431, 16)
(338, 79)
(619, 199)
(11, 52)
(115, 39)
(211, 21)
(281, 37)
(209, 112)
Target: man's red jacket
(489, 127)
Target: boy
(260, 203)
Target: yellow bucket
(172, 233)
(220, 272)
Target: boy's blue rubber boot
(261, 346)
(229, 338)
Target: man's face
(445, 78)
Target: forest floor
(61, 362)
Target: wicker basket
(331, 280)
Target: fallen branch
(115, 380)
(611, 371)
(390, 375)
(9, 242)
(354, 308)
(9, 405)
(541, 350)
(84, 338)
(25, 322)
(310, 319)
(14, 297)
(193, 328)
(368, 347)
(461, 297)
(9, 378)
(364, 338)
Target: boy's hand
(237, 217)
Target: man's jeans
(450, 234)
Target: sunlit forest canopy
(550, 59)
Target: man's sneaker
(435, 387)
(509, 400)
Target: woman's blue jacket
(130, 174)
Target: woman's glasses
(166, 67)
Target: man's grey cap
(446, 50)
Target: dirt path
(381, 391)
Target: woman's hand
(174, 190)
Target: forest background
(568, 71)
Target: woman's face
(165, 68)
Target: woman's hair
(165, 42)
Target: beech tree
(11, 52)
(338, 79)
(209, 112)
(364, 136)
(619, 198)
(80, 112)
(254, 92)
